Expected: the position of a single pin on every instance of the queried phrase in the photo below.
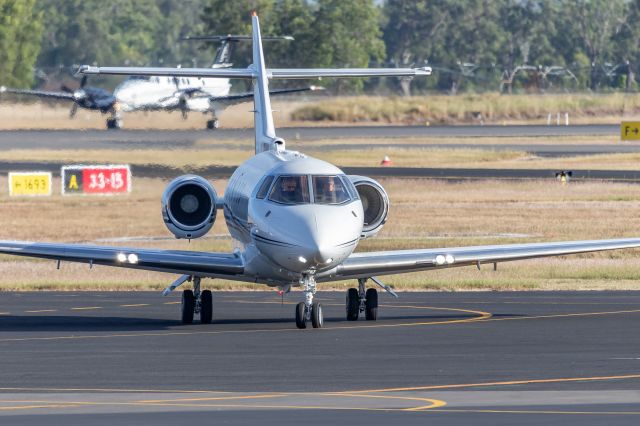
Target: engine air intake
(189, 206)
(375, 203)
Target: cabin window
(264, 188)
(329, 190)
(290, 190)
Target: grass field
(317, 109)
(487, 108)
(424, 213)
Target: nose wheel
(309, 310)
(303, 315)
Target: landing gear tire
(301, 317)
(188, 306)
(371, 305)
(114, 123)
(213, 124)
(317, 319)
(206, 307)
(353, 304)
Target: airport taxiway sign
(630, 130)
(29, 183)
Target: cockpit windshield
(329, 190)
(294, 189)
(290, 190)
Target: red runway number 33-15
(96, 179)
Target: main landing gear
(213, 124)
(114, 123)
(197, 302)
(359, 300)
(309, 310)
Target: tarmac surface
(431, 358)
(170, 139)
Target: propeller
(182, 101)
(78, 95)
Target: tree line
(472, 45)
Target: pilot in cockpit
(325, 190)
(290, 193)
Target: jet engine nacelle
(375, 203)
(189, 206)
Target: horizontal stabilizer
(292, 73)
(249, 73)
(231, 37)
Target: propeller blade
(83, 82)
(183, 107)
(74, 109)
(66, 89)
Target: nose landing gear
(309, 310)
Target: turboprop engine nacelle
(375, 203)
(189, 206)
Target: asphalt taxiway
(448, 358)
(78, 139)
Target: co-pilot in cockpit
(295, 189)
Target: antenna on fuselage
(266, 139)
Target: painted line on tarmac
(135, 305)
(483, 317)
(41, 310)
(503, 383)
(598, 413)
(577, 314)
(86, 308)
(406, 402)
(480, 316)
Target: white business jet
(295, 220)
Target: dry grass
(424, 214)
(316, 109)
(213, 154)
(492, 107)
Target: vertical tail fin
(266, 138)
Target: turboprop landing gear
(309, 310)
(213, 124)
(359, 300)
(114, 123)
(197, 302)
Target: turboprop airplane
(295, 220)
(162, 93)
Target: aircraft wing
(222, 265)
(38, 93)
(244, 97)
(364, 265)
